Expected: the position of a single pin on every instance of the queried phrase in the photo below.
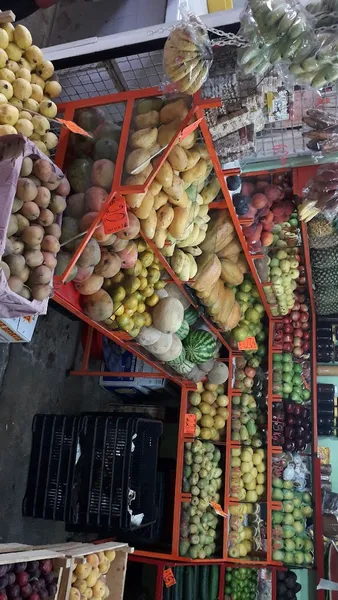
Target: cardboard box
(119, 360)
(17, 329)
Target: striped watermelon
(200, 346)
(183, 330)
(185, 368)
(190, 315)
(179, 360)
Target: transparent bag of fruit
(324, 12)
(254, 58)
(322, 135)
(187, 55)
(321, 194)
(315, 63)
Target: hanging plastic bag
(187, 55)
(323, 133)
(321, 194)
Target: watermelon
(183, 331)
(185, 368)
(179, 360)
(200, 346)
(190, 315)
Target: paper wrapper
(11, 304)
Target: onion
(288, 339)
(304, 307)
(287, 347)
(288, 329)
(296, 306)
(302, 280)
(298, 351)
(304, 317)
(306, 334)
(298, 332)
(297, 342)
(305, 326)
(295, 315)
(250, 372)
(306, 347)
(297, 324)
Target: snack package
(321, 194)
(323, 133)
(187, 54)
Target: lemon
(143, 272)
(205, 433)
(204, 408)
(260, 490)
(153, 275)
(138, 319)
(247, 478)
(118, 277)
(141, 307)
(207, 421)
(213, 412)
(195, 398)
(246, 455)
(260, 478)
(159, 285)
(146, 258)
(152, 300)
(148, 291)
(143, 283)
(118, 294)
(123, 321)
(141, 245)
(261, 468)
(147, 319)
(256, 459)
(130, 302)
(222, 400)
(119, 311)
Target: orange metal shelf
(67, 296)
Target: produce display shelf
(68, 110)
(66, 295)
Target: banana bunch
(188, 57)
(184, 265)
(307, 210)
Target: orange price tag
(168, 577)
(218, 509)
(116, 216)
(248, 344)
(73, 127)
(190, 425)
(188, 130)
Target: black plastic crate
(140, 479)
(152, 533)
(116, 472)
(51, 467)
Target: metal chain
(229, 39)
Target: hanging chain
(229, 39)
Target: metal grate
(141, 70)
(281, 139)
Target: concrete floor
(34, 379)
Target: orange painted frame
(124, 340)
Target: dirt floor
(34, 379)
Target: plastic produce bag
(323, 132)
(321, 195)
(188, 53)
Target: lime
(297, 368)
(295, 397)
(252, 315)
(287, 367)
(246, 286)
(260, 336)
(287, 357)
(287, 388)
(240, 334)
(306, 394)
(297, 380)
(228, 590)
(287, 377)
(277, 357)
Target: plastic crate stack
(96, 472)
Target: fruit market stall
(204, 274)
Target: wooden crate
(15, 553)
(76, 553)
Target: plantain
(192, 89)
(185, 83)
(177, 72)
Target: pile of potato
(88, 579)
(33, 235)
(174, 210)
(27, 86)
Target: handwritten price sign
(73, 127)
(116, 217)
(168, 577)
(248, 344)
(190, 425)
